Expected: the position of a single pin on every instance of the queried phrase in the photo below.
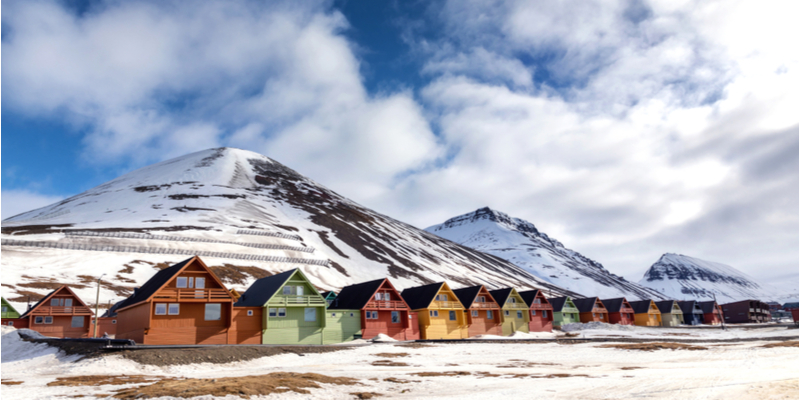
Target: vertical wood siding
(293, 329)
(406, 329)
(62, 327)
(340, 326)
(247, 329)
(18, 323)
(481, 325)
(132, 322)
(539, 323)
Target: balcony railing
(569, 310)
(305, 300)
(626, 310)
(446, 304)
(485, 305)
(541, 306)
(200, 295)
(516, 306)
(53, 310)
(386, 304)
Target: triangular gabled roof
(641, 306)
(558, 302)
(328, 295)
(689, 306)
(530, 295)
(7, 304)
(420, 297)
(586, 304)
(356, 297)
(614, 305)
(50, 295)
(708, 306)
(666, 306)
(468, 295)
(501, 295)
(162, 278)
(262, 290)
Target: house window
(200, 283)
(299, 290)
(601, 315)
(174, 309)
(452, 315)
(10, 323)
(374, 315)
(441, 297)
(489, 314)
(191, 282)
(533, 312)
(594, 315)
(161, 309)
(287, 290)
(475, 313)
(273, 312)
(181, 282)
(310, 314)
(481, 299)
(38, 320)
(508, 313)
(395, 317)
(519, 314)
(213, 312)
(113, 321)
(55, 302)
(434, 313)
(77, 322)
(281, 312)
(512, 300)
(5, 309)
(537, 301)
(377, 296)
(333, 314)
(48, 319)
(544, 314)
(250, 313)
(352, 314)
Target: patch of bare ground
(526, 364)
(392, 355)
(237, 274)
(630, 368)
(652, 346)
(413, 345)
(445, 373)
(389, 363)
(10, 382)
(128, 268)
(25, 295)
(678, 334)
(124, 279)
(8, 285)
(366, 395)
(243, 386)
(47, 284)
(570, 334)
(161, 266)
(398, 380)
(123, 291)
(788, 343)
(98, 380)
(551, 376)
(218, 355)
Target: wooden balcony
(53, 310)
(484, 306)
(569, 310)
(192, 295)
(446, 305)
(384, 304)
(297, 301)
(515, 306)
(541, 306)
(626, 310)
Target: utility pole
(97, 305)
(722, 317)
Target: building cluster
(188, 304)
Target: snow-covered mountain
(684, 277)
(246, 215)
(519, 242)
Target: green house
(328, 296)
(295, 312)
(564, 311)
(8, 310)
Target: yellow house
(645, 313)
(441, 315)
(514, 311)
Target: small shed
(564, 311)
(671, 313)
(382, 310)
(514, 311)
(591, 309)
(619, 311)
(692, 313)
(712, 312)
(541, 311)
(483, 312)
(441, 314)
(646, 313)
(60, 314)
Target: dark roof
(558, 302)
(707, 306)
(585, 304)
(42, 300)
(501, 295)
(529, 296)
(613, 305)
(259, 293)
(641, 306)
(665, 306)
(154, 284)
(356, 297)
(112, 312)
(467, 295)
(421, 296)
(688, 306)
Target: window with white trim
(48, 319)
(310, 314)
(213, 312)
(77, 322)
(161, 308)
(508, 313)
(481, 299)
(512, 300)
(182, 282)
(38, 320)
(200, 283)
(174, 309)
(395, 317)
(249, 313)
(281, 312)
(113, 321)
(287, 290)
(273, 312)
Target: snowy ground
(743, 370)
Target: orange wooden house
(441, 315)
(540, 309)
(591, 309)
(483, 312)
(182, 304)
(60, 314)
(383, 310)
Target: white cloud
(18, 201)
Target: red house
(60, 314)
(541, 311)
(383, 310)
(183, 304)
(712, 312)
(483, 312)
(619, 311)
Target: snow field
(741, 371)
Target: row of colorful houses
(188, 304)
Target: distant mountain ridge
(521, 243)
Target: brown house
(60, 314)
(183, 304)
(483, 312)
(591, 309)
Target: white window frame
(249, 313)
(481, 299)
(180, 285)
(48, 318)
(206, 310)
(272, 312)
(5, 309)
(374, 315)
(281, 311)
(160, 305)
(191, 282)
(306, 313)
(395, 317)
(508, 313)
(512, 300)
(299, 291)
(38, 320)
(200, 283)
(177, 310)
(113, 321)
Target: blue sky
(626, 129)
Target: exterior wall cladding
(746, 311)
